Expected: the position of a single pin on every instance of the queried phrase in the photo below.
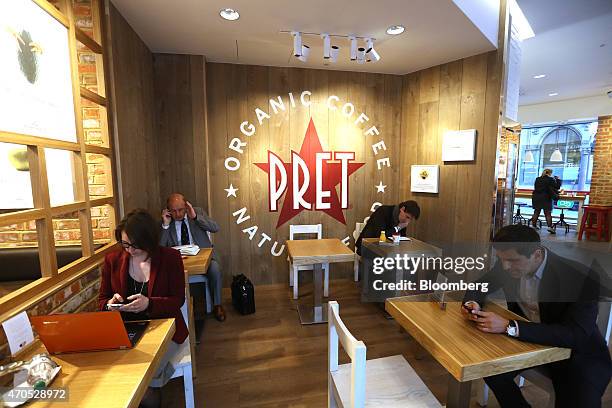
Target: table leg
(458, 393)
(316, 313)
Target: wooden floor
(269, 360)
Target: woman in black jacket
(545, 191)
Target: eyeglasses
(127, 245)
(178, 210)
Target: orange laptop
(74, 332)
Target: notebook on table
(94, 331)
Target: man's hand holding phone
(166, 217)
(469, 308)
(115, 303)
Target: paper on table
(404, 239)
(18, 332)
(188, 249)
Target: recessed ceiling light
(539, 76)
(553, 94)
(395, 30)
(229, 14)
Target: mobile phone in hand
(114, 306)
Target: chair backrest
(306, 229)
(604, 318)
(356, 350)
(359, 226)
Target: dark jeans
(571, 390)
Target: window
(57, 203)
(566, 149)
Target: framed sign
(424, 178)
(35, 78)
(459, 145)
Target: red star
(332, 176)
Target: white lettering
(344, 158)
(292, 100)
(331, 105)
(237, 145)
(320, 205)
(261, 115)
(241, 217)
(304, 101)
(371, 131)
(379, 162)
(247, 128)
(264, 239)
(350, 111)
(251, 231)
(277, 253)
(300, 190)
(377, 146)
(374, 207)
(277, 188)
(346, 240)
(234, 160)
(362, 118)
(275, 104)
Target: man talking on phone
(559, 298)
(184, 224)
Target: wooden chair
(203, 279)
(384, 382)
(294, 270)
(540, 377)
(359, 226)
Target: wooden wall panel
(134, 116)
(248, 87)
(180, 127)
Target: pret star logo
(294, 179)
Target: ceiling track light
(371, 54)
(335, 50)
(297, 43)
(305, 53)
(361, 58)
(353, 41)
(326, 46)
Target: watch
(512, 329)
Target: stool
(518, 218)
(595, 219)
(561, 220)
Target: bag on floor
(243, 295)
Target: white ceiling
(436, 31)
(572, 46)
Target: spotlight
(305, 53)
(353, 41)
(297, 43)
(371, 54)
(335, 50)
(229, 14)
(361, 55)
(326, 46)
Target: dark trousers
(571, 390)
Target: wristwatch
(512, 329)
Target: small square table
(316, 252)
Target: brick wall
(601, 184)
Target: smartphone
(114, 306)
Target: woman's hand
(138, 303)
(115, 299)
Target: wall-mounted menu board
(35, 79)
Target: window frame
(54, 279)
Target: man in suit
(559, 297)
(184, 224)
(393, 219)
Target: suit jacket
(381, 219)
(544, 188)
(568, 302)
(166, 288)
(199, 228)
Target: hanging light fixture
(556, 156)
(528, 154)
(297, 43)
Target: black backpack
(243, 295)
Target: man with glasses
(184, 224)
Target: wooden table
(116, 378)
(198, 264)
(371, 248)
(316, 252)
(466, 352)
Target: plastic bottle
(383, 237)
(40, 372)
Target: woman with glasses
(148, 282)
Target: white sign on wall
(35, 79)
(459, 145)
(424, 178)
